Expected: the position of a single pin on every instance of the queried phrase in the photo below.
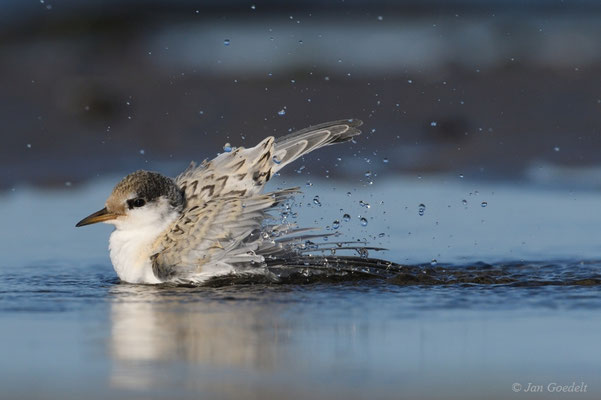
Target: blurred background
(491, 90)
(480, 157)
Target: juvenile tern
(211, 219)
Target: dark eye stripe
(136, 203)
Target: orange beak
(98, 216)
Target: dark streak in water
(514, 274)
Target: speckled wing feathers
(223, 221)
(225, 231)
(241, 172)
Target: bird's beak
(98, 216)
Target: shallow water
(514, 297)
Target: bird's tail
(290, 147)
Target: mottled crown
(148, 186)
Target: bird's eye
(139, 202)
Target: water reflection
(150, 324)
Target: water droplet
(484, 204)
(142, 151)
(464, 202)
(227, 147)
(316, 201)
(300, 42)
(380, 18)
(363, 221)
(277, 160)
(253, 7)
(310, 245)
(336, 224)
(364, 204)
(348, 194)
(282, 112)
(363, 252)
(368, 173)
(460, 176)
(346, 217)
(382, 234)
(385, 161)
(226, 42)
(556, 148)
(421, 209)
(433, 262)
(29, 145)
(433, 123)
(201, 112)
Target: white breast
(132, 243)
(130, 254)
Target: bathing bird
(213, 218)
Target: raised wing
(244, 172)
(224, 221)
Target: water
(514, 297)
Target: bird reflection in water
(155, 326)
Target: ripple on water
(538, 284)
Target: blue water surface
(70, 329)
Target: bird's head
(141, 199)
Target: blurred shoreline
(492, 94)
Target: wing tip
(353, 124)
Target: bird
(214, 219)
